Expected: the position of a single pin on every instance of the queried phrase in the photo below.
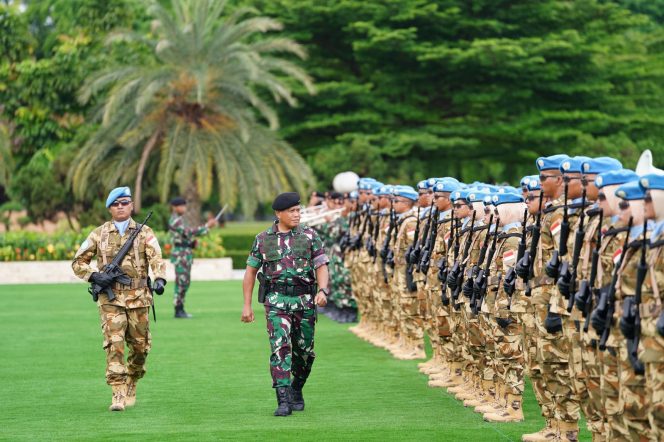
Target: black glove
(598, 321)
(522, 267)
(467, 288)
(452, 280)
(627, 321)
(552, 268)
(582, 297)
(159, 285)
(553, 323)
(660, 325)
(504, 322)
(102, 279)
(509, 283)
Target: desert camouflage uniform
(126, 318)
(182, 257)
(289, 259)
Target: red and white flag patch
(616, 256)
(447, 236)
(508, 257)
(555, 228)
(152, 241)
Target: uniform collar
(131, 225)
(657, 230)
(273, 230)
(514, 225)
(444, 215)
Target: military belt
(136, 283)
(650, 309)
(292, 290)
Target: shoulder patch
(83, 248)
(152, 241)
(616, 256)
(555, 228)
(508, 257)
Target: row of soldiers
(561, 280)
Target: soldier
(182, 255)
(294, 266)
(651, 348)
(124, 319)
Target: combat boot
(548, 433)
(512, 413)
(130, 398)
(297, 400)
(118, 399)
(482, 395)
(493, 405)
(470, 392)
(455, 378)
(464, 386)
(568, 431)
(283, 401)
(180, 313)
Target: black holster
(263, 287)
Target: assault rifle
(385, 250)
(459, 267)
(113, 268)
(509, 282)
(416, 253)
(525, 267)
(552, 267)
(425, 258)
(602, 316)
(584, 297)
(410, 264)
(482, 280)
(356, 241)
(567, 281)
(467, 288)
(442, 265)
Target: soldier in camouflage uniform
(124, 319)
(293, 261)
(182, 255)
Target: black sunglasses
(459, 205)
(648, 198)
(623, 205)
(601, 196)
(543, 177)
(122, 203)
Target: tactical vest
(273, 254)
(105, 250)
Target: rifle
(356, 242)
(113, 268)
(569, 284)
(509, 283)
(417, 248)
(630, 322)
(552, 267)
(481, 282)
(385, 250)
(425, 259)
(442, 265)
(603, 314)
(221, 212)
(525, 267)
(410, 284)
(584, 297)
(459, 268)
(467, 288)
(374, 252)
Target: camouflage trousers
(441, 324)
(634, 398)
(553, 353)
(458, 330)
(610, 385)
(533, 367)
(651, 352)
(183, 261)
(121, 325)
(483, 343)
(291, 334)
(509, 360)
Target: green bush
(239, 258)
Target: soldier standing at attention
(125, 318)
(294, 266)
(182, 255)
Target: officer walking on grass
(182, 256)
(125, 318)
(294, 281)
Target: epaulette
(614, 231)
(509, 235)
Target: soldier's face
(181, 209)
(650, 206)
(442, 200)
(574, 188)
(461, 210)
(289, 218)
(121, 209)
(532, 200)
(551, 182)
(591, 189)
(424, 198)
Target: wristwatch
(325, 291)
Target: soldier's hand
(103, 279)
(321, 299)
(211, 223)
(247, 314)
(159, 285)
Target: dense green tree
(6, 160)
(199, 106)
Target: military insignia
(616, 256)
(447, 236)
(621, 193)
(509, 256)
(566, 165)
(644, 182)
(540, 163)
(598, 181)
(555, 228)
(83, 248)
(152, 241)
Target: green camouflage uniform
(182, 256)
(126, 318)
(289, 260)
(341, 293)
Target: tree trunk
(138, 186)
(193, 215)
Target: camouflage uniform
(182, 256)
(289, 261)
(126, 318)
(341, 293)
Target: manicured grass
(208, 379)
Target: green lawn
(208, 379)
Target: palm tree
(199, 104)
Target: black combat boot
(283, 401)
(180, 313)
(297, 400)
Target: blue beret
(601, 165)
(422, 185)
(573, 165)
(549, 163)
(116, 193)
(477, 196)
(534, 183)
(488, 199)
(365, 183)
(406, 192)
(431, 182)
(383, 190)
(524, 181)
(652, 181)
(445, 186)
(508, 189)
(631, 191)
(614, 177)
(354, 195)
(376, 185)
(505, 198)
(286, 200)
(460, 194)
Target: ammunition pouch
(628, 318)
(552, 268)
(553, 323)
